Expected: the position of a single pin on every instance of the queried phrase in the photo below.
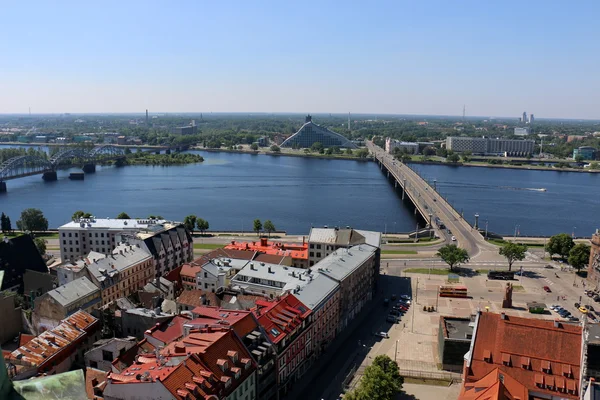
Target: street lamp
(516, 231)
(476, 221)
(430, 226)
(435, 185)
(573, 234)
(486, 226)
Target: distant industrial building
(311, 133)
(587, 152)
(487, 146)
(191, 129)
(522, 131)
(409, 147)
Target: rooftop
(342, 262)
(122, 258)
(344, 237)
(241, 321)
(168, 331)
(282, 278)
(294, 250)
(116, 224)
(73, 291)
(317, 289)
(539, 354)
(44, 347)
(282, 316)
(457, 328)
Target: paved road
(429, 201)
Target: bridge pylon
(2, 187)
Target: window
(70, 242)
(205, 275)
(103, 243)
(319, 247)
(312, 254)
(77, 242)
(107, 355)
(93, 364)
(71, 249)
(96, 234)
(312, 246)
(318, 254)
(69, 234)
(102, 235)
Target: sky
(498, 58)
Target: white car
(382, 335)
(453, 239)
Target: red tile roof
(94, 378)
(494, 386)
(242, 322)
(293, 250)
(143, 347)
(168, 331)
(281, 317)
(25, 338)
(44, 348)
(194, 298)
(511, 343)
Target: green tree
(429, 151)
(578, 158)
(381, 381)
(5, 224)
(257, 226)
(254, 146)
(453, 255)
(466, 158)
(579, 256)
(123, 215)
(317, 147)
(202, 225)
(453, 158)
(560, 244)
(269, 227)
(362, 153)
(80, 214)
(190, 222)
(513, 252)
(349, 151)
(40, 244)
(329, 151)
(275, 149)
(594, 165)
(127, 150)
(32, 219)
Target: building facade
(104, 352)
(408, 147)
(593, 275)
(324, 241)
(128, 269)
(522, 131)
(586, 152)
(478, 145)
(311, 133)
(56, 305)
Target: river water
(231, 190)
(507, 198)
(228, 190)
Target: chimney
(263, 241)
(303, 240)
(157, 282)
(203, 299)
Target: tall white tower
(348, 120)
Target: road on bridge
(428, 199)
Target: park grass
(500, 242)
(398, 252)
(427, 381)
(207, 246)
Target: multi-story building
(293, 254)
(498, 146)
(269, 279)
(408, 147)
(68, 271)
(56, 305)
(321, 295)
(356, 271)
(128, 269)
(454, 341)
(324, 241)
(77, 238)
(16, 256)
(525, 358)
(209, 363)
(522, 131)
(593, 275)
(287, 322)
(104, 352)
(171, 246)
(311, 133)
(586, 152)
(54, 351)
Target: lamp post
(430, 226)
(573, 234)
(476, 221)
(516, 230)
(435, 185)
(486, 226)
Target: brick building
(293, 254)
(529, 358)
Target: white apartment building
(324, 241)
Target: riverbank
(133, 146)
(284, 153)
(505, 166)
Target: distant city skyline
(402, 58)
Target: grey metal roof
(344, 237)
(123, 257)
(73, 291)
(342, 262)
(316, 290)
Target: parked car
(382, 335)
(393, 297)
(548, 266)
(592, 317)
(573, 319)
(590, 308)
(583, 310)
(547, 289)
(577, 305)
(393, 319)
(597, 299)
(396, 313)
(453, 239)
(405, 297)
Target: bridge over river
(22, 166)
(429, 203)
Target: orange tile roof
(94, 378)
(25, 338)
(44, 348)
(242, 322)
(168, 331)
(123, 361)
(281, 317)
(294, 250)
(513, 344)
(194, 298)
(494, 386)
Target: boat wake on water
(518, 188)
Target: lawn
(500, 242)
(398, 252)
(207, 246)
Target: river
(228, 190)
(507, 200)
